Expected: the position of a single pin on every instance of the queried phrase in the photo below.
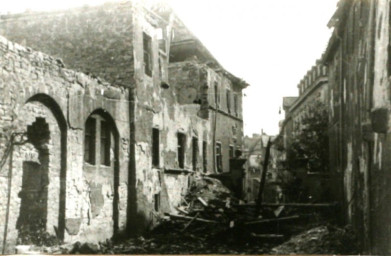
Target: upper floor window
(147, 47)
(236, 104)
(181, 149)
(217, 95)
(229, 101)
(97, 141)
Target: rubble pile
(320, 240)
(212, 221)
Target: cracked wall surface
(108, 42)
(33, 85)
(359, 118)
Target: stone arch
(99, 165)
(55, 109)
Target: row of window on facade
(148, 64)
(98, 127)
(181, 152)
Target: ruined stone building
(358, 57)
(313, 90)
(105, 134)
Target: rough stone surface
(107, 41)
(37, 89)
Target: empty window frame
(104, 143)
(217, 95)
(236, 104)
(89, 141)
(219, 158)
(204, 156)
(97, 139)
(229, 101)
(147, 46)
(181, 149)
(157, 202)
(194, 153)
(155, 147)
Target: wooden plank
(291, 204)
(267, 235)
(300, 204)
(272, 220)
(190, 218)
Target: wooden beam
(190, 218)
(272, 220)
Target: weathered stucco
(109, 42)
(359, 118)
(33, 86)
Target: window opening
(181, 149)
(155, 147)
(147, 43)
(204, 156)
(195, 152)
(104, 143)
(89, 141)
(219, 158)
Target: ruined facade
(46, 181)
(358, 59)
(115, 155)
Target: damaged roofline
(337, 20)
(213, 63)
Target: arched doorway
(43, 164)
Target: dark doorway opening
(34, 194)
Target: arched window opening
(97, 140)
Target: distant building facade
(254, 151)
(313, 90)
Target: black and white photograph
(253, 127)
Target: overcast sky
(269, 43)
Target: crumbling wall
(158, 107)
(360, 104)
(96, 40)
(35, 88)
(377, 178)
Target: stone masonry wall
(96, 40)
(33, 87)
(107, 41)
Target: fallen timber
(272, 220)
(291, 205)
